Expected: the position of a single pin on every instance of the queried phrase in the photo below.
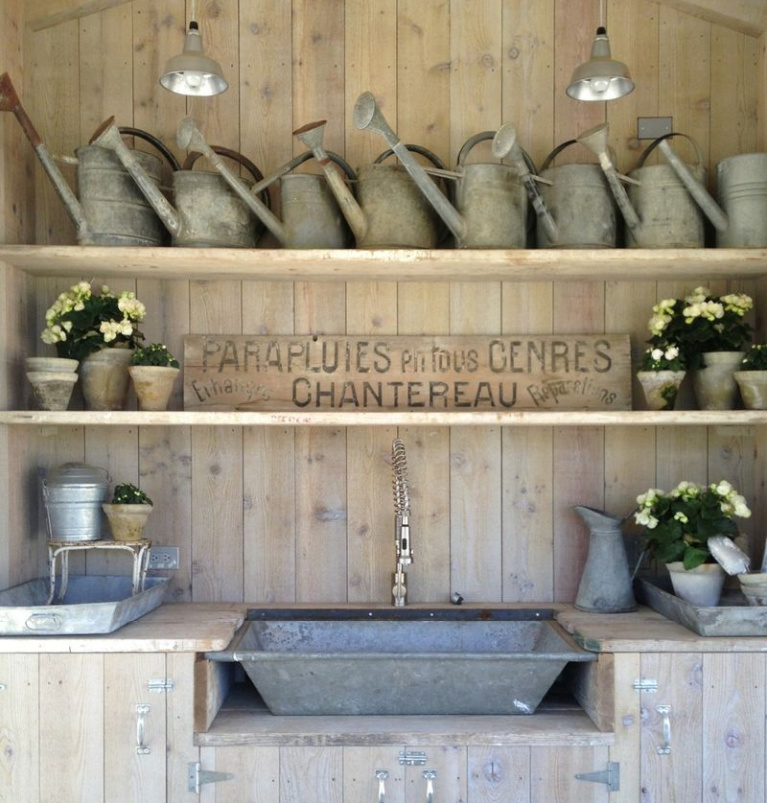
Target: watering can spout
(312, 136)
(595, 139)
(108, 135)
(367, 116)
(9, 102)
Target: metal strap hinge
(611, 777)
(160, 686)
(646, 684)
(412, 758)
(198, 777)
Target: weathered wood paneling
(283, 515)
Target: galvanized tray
(93, 604)
(732, 617)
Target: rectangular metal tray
(732, 617)
(93, 604)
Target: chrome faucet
(403, 547)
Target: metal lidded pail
(73, 494)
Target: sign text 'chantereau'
(407, 373)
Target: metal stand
(139, 550)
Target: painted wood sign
(369, 373)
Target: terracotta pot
(104, 378)
(714, 385)
(153, 385)
(753, 389)
(701, 586)
(660, 388)
(52, 390)
(127, 522)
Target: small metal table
(139, 550)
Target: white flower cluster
(662, 315)
(732, 504)
(671, 353)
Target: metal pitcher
(389, 211)
(310, 216)
(579, 200)
(207, 213)
(108, 208)
(492, 200)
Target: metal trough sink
(402, 661)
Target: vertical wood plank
(498, 773)
(311, 773)
(449, 762)
(217, 460)
(256, 773)
(19, 729)
(72, 732)
(553, 770)
(360, 767)
(180, 746)
(129, 776)
(627, 747)
(733, 727)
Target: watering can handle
(481, 137)
(128, 131)
(651, 147)
(550, 158)
(192, 157)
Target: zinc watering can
(389, 210)
(579, 200)
(108, 208)
(206, 212)
(310, 216)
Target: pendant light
(601, 77)
(192, 72)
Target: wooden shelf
(542, 418)
(697, 265)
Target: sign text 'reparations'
(368, 373)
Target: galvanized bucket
(580, 201)
(116, 211)
(210, 213)
(73, 494)
(742, 191)
(398, 214)
(669, 216)
(492, 200)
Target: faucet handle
(382, 775)
(399, 591)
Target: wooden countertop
(179, 627)
(647, 631)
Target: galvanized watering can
(389, 210)
(580, 202)
(110, 210)
(207, 213)
(310, 216)
(741, 186)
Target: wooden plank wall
(284, 515)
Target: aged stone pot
(660, 388)
(701, 586)
(153, 385)
(104, 378)
(127, 522)
(714, 385)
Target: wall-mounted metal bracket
(160, 686)
(412, 758)
(653, 127)
(198, 777)
(611, 777)
(646, 684)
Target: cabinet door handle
(382, 775)
(430, 775)
(665, 712)
(141, 711)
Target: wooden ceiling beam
(746, 16)
(40, 14)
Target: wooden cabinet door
(703, 736)
(19, 729)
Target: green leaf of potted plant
(153, 371)
(661, 372)
(128, 512)
(751, 377)
(677, 526)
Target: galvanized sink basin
(402, 661)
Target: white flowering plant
(677, 524)
(701, 322)
(663, 357)
(755, 359)
(82, 321)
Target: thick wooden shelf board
(697, 265)
(354, 418)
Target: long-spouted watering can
(206, 212)
(389, 210)
(310, 216)
(579, 200)
(741, 182)
(108, 208)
